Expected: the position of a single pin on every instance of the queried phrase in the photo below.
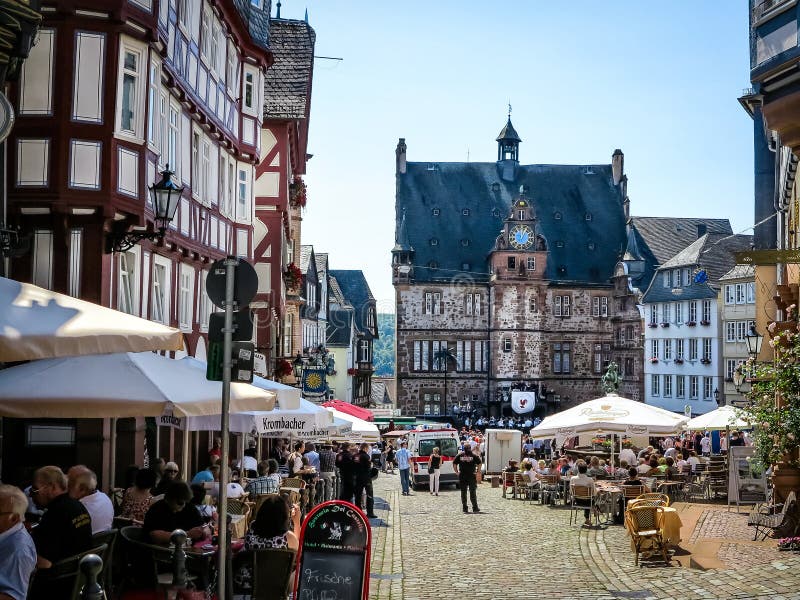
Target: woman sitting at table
(207, 512)
(595, 470)
(276, 526)
(137, 498)
(671, 470)
(527, 470)
(541, 468)
(633, 477)
(622, 470)
(653, 470)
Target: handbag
(373, 472)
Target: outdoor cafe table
(609, 490)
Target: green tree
(383, 348)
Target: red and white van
(421, 443)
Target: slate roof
(740, 272)
(590, 207)
(712, 253)
(336, 295)
(356, 291)
(256, 19)
(380, 394)
(305, 257)
(340, 323)
(287, 86)
(508, 133)
(321, 261)
(658, 239)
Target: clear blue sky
(658, 80)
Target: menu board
(334, 553)
(746, 483)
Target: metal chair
(109, 538)
(583, 497)
(644, 526)
(767, 518)
(550, 488)
(64, 575)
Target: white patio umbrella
(36, 323)
(362, 431)
(126, 384)
(723, 418)
(307, 418)
(288, 397)
(610, 414)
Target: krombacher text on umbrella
(283, 424)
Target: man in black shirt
(364, 479)
(173, 512)
(465, 464)
(66, 527)
(347, 473)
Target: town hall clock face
(520, 236)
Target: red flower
(293, 276)
(282, 367)
(351, 371)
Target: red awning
(350, 409)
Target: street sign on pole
(687, 411)
(245, 283)
(242, 325)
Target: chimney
(400, 153)
(702, 229)
(617, 165)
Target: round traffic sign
(245, 283)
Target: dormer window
(465, 266)
(465, 242)
(559, 244)
(433, 265)
(495, 213)
(434, 242)
(588, 216)
(557, 216)
(465, 212)
(435, 212)
(590, 245)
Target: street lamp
(754, 341)
(297, 368)
(716, 395)
(165, 196)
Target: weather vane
(509, 110)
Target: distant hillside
(383, 350)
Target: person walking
(403, 459)
(364, 480)
(465, 465)
(434, 464)
(327, 466)
(347, 473)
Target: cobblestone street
(425, 547)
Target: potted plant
(293, 276)
(351, 371)
(654, 360)
(774, 410)
(282, 368)
(706, 323)
(665, 324)
(678, 361)
(652, 325)
(705, 361)
(691, 323)
(297, 192)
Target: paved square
(425, 547)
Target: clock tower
(520, 251)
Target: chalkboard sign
(334, 553)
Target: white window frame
(468, 304)
(173, 139)
(730, 297)
(161, 290)
(708, 388)
(751, 292)
(476, 304)
(693, 349)
(655, 385)
(243, 194)
(678, 313)
(654, 349)
(128, 45)
(693, 311)
(214, 56)
(203, 303)
(205, 34)
(249, 87)
(741, 294)
(707, 311)
(530, 263)
(679, 349)
(231, 67)
(687, 277)
(730, 331)
(666, 279)
(205, 171)
(186, 282)
(667, 349)
(693, 386)
(154, 104)
(680, 386)
(707, 348)
(128, 280)
(185, 15)
(667, 386)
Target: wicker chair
(652, 499)
(643, 525)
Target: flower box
(653, 360)
(652, 324)
(678, 361)
(665, 324)
(691, 323)
(705, 323)
(351, 371)
(705, 361)
(293, 276)
(297, 193)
